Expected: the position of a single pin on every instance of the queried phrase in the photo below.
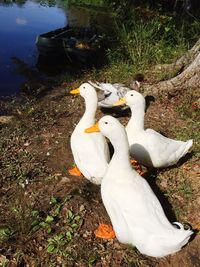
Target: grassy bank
(48, 217)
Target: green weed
(3, 261)
(92, 260)
(144, 43)
(5, 233)
(51, 218)
(191, 131)
(59, 243)
(186, 189)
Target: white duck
(149, 147)
(111, 93)
(135, 212)
(90, 152)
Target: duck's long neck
(90, 109)
(136, 122)
(120, 157)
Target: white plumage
(149, 147)
(90, 152)
(135, 212)
(110, 93)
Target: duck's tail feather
(181, 236)
(170, 243)
(183, 150)
(180, 226)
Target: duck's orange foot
(104, 231)
(133, 161)
(75, 172)
(137, 167)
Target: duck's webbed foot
(137, 167)
(105, 231)
(75, 171)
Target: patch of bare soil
(48, 217)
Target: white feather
(149, 147)
(111, 93)
(90, 152)
(135, 212)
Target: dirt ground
(48, 217)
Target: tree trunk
(188, 78)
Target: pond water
(19, 26)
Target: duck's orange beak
(75, 91)
(121, 102)
(93, 129)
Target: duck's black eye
(106, 122)
(131, 94)
(83, 87)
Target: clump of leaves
(58, 244)
(5, 233)
(51, 217)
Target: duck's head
(85, 90)
(131, 98)
(109, 126)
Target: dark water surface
(19, 26)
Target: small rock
(87, 234)
(27, 144)
(58, 174)
(163, 184)
(5, 119)
(117, 245)
(65, 180)
(82, 208)
(59, 260)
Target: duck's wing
(139, 207)
(118, 85)
(122, 91)
(108, 87)
(91, 155)
(112, 94)
(109, 100)
(109, 93)
(164, 151)
(145, 222)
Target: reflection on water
(19, 26)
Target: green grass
(192, 131)
(191, 114)
(145, 43)
(186, 189)
(25, 221)
(141, 42)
